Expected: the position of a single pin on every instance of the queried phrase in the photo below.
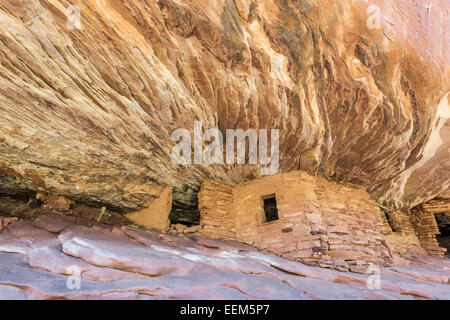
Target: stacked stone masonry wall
(427, 229)
(214, 205)
(320, 222)
(403, 239)
(440, 204)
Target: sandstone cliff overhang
(87, 112)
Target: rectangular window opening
(270, 208)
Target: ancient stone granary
(315, 221)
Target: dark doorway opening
(185, 207)
(443, 222)
(389, 219)
(270, 208)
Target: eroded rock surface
(87, 113)
(127, 263)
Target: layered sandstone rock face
(87, 113)
(54, 258)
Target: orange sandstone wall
(320, 222)
(155, 214)
(215, 217)
(427, 229)
(403, 238)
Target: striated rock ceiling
(87, 113)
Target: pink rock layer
(62, 260)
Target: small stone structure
(318, 222)
(155, 215)
(304, 218)
(427, 229)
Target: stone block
(155, 215)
